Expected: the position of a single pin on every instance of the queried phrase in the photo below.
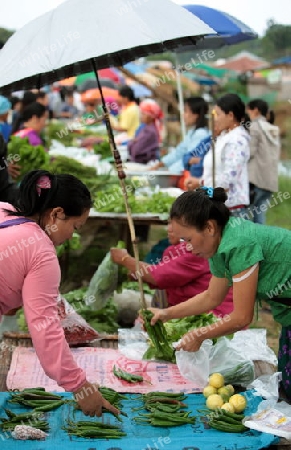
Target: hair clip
(209, 191)
(43, 183)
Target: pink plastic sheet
(26, 371)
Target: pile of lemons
(220, 396)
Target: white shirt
(232, 152)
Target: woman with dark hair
(49, 208)
(254, 259)
(232, 152)
(34, 119)
(28, 98)
(195, 111)
(265, 154)
(145, 145)
(129, 118)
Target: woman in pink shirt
(180, 273)
(49, 209)
(33, 118)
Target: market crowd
(220, 265)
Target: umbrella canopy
(67, 81)
(109, 74)
(140, 91)
(95, 95)
(52, 47)
(92, 84)
(229, 29)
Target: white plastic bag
(252, 344)
(132, 343)
(235, 367)
(267, 386)
(270, 421)
(194, 366)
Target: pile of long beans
(114, 398)
(29, 418)
(158, 335)
(126, 376)
(37, 398)
(165, 410)
(93, 429)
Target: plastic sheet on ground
(140, 437)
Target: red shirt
(184, 275)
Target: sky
(255, 13)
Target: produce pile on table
(27, 156)
(227, 406)
(111, 200)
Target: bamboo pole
(213, 146)
(121, 177)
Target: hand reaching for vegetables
(91, 401)
(118, 255)
(158, 314)
(191, 341)
(14, 170)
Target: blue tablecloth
(140, 437)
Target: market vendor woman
(254, 259)
(49, 209)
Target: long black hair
(127, 92)
(66, 191)
(34, 109)
(195, 208)
(198, 105)
(263, 109)
(233, 103)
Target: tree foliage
(4, 35)
(277, 39)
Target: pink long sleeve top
(30, 276)
(184, 275)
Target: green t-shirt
(244, 244)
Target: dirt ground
(265, 320)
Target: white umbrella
(63, 42)
(81, 35)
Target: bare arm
(201, 303)
(123, 258)
(244, 296)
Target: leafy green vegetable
(29, 157)
(104, 320)
(111, 200)
(176, 328)
(63, 164)
(73, 244)
(103, 149)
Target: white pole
(181, 98)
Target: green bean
(50, 406)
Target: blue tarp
(141, 437)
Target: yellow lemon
(228, 407)
(209, 390)
(239, 402)
(230, 388)
(216, 380)
(214, 401)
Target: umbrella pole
(122, 176)
(180, 96)
(213, 147)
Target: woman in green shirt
(254, 259)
